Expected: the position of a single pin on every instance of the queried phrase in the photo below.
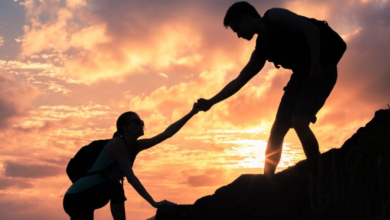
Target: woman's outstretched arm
(169, 132)
(120, 154)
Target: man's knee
(300, 122)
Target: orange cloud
(76, 3)
(15, 100)
(40, 37)
(210, 177)
(107, 49)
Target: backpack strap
(123, 179)
(104, 171)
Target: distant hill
(350, 183)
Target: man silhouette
(310, 48)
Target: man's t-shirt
(290, 49)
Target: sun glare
(252, 154)
(247, 148)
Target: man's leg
(282, 124)
(306, 136)
(274, 147)
(311, 100)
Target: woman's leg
(77, 208)
(83, 204)
(82, 216)
(117, 195)
(118, 211)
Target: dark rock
(327, 188)
(174, 212)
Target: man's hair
(237, 10)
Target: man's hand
(204, 104)
(316, 74)
(195, 108)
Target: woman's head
(131, 123)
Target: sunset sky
(69, 68)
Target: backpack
(84, 159)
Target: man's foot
(270, 178)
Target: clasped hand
(204, 104)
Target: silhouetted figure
(310, 48)
(95, 191)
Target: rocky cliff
(351, 182)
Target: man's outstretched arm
(254, 65)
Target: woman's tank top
(101, 163)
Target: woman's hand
(163, 203)
(195, 108)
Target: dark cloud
(62, 161)
(365, 68)
(31, 170)
(6, 183)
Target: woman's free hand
(163, 203)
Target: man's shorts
(302, 97)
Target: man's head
(239, 17)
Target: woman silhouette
(95, 191)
